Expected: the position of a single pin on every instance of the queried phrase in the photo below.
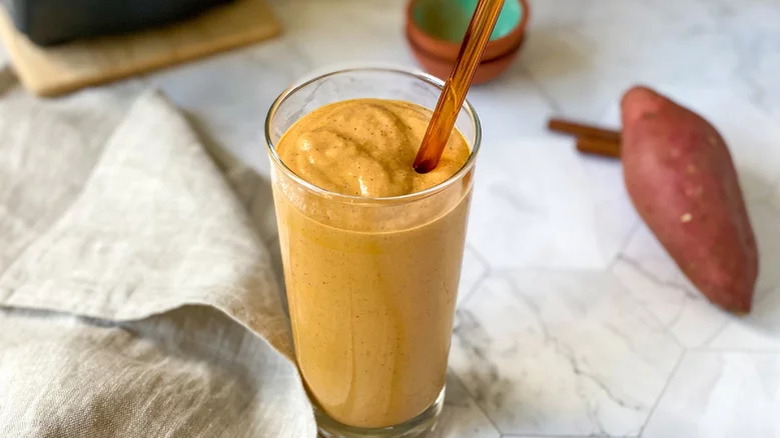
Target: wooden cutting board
(60, 69)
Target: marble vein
(521, 373)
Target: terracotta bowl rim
(513, 49)
(426, 59)
(517, 32)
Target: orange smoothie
(371, 290)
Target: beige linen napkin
(136, 299)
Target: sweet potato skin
(682, 181)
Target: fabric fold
(114, 216)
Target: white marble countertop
(572, 321)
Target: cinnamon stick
(580, 130)
(598, 146)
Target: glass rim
(432, 80)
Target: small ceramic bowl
(435, 30)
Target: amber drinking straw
(443, 119)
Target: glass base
(418, 426)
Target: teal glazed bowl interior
(435, 30)
(448, 19)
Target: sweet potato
(682, 181)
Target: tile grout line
(655, 278)
(717, 333)
(620, 256)
(663, 391)
(487, 271)
(479, 256)
(649, 276)
(484, 275)
(623, 245)
(733, 350)
(514, 435)
(474, 399)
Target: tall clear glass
(371, 282)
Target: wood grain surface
(61, 69)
